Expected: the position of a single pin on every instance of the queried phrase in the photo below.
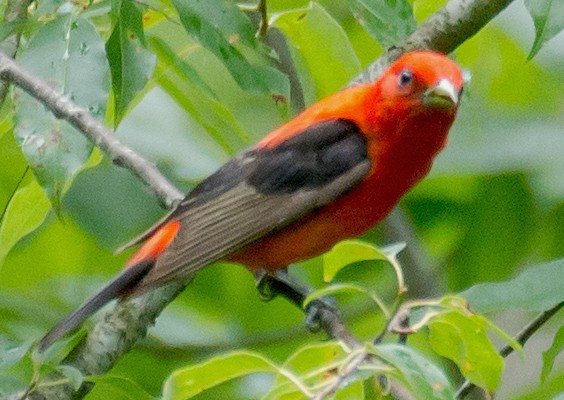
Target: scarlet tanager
(331, 173)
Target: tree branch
(128, 321)
(444, 31)
(330, 320)
(110, 339)
(81, 119)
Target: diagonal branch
(444, 31)
(82, 120)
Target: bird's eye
(405, 78)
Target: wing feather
(237, 218)
(259, 192)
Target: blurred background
(492, 206)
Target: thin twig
(277, 41)
(351, 367)
(522, 338)
(284, 62)
(396, 389)
(263, 24)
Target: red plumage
(331, 173)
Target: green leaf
(310, 356)
(498, 59)
(348, 252)
(49, 8)
(279, 6)
(110, 203)
(316, 363)
(344, 288)
(25, 212)
(387, 21)
(10, 384)
(13, 165)
(73, 375)
(324, 46)
(423, 9)
(351, 251)
(172, 60)
(56, 248)
(69, 55)
(9, 28)
(131, 64)
(10, 353)
(189, 381)
(423, 379)
(551, 353)
(218, 25)
(538, 288)
(355, 391)
(334, 289)
(548, 16)
(496, 330)
(209, 113)
(497, 233)
(463, 339)
(226, 18)
(116, 387)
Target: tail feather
(118, 287)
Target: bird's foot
(317, 312)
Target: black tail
(118, 287)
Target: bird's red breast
(403, 135)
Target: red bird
(331, 173)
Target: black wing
(259, 192)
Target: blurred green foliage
(191, 86)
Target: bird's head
(423, 81)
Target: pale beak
(443, 95)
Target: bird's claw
(265, 287)
(314, 311)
